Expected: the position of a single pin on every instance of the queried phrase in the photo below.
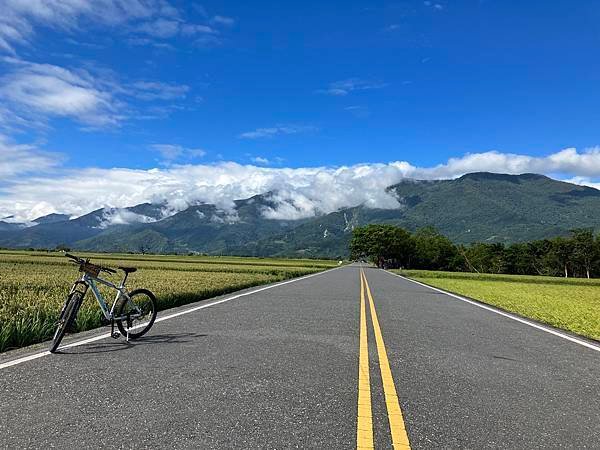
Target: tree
(381, 243)
(584, 249)
(538, 251)
(560, 256)
(488, 258)
(519, 259)
(577, 255)
(433, 250)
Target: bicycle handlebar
(80, 261)
(76, 258)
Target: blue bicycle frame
(87, 280)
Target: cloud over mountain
(297, 192)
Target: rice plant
(33, 285)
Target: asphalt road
(279, 368)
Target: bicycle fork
(82, 291)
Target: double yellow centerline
(364, 428)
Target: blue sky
(157, 84)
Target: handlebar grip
(76, 259)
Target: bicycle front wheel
(65, 320)
(139, 312)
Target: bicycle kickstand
(128, 326)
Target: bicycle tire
(66, 319)
(147, 302)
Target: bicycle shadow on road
(123, 344)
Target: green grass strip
(569, 304)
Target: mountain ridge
(480, 206)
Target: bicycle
(129, 311)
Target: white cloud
(172, 152)
(142, 41)
(167, 28)
(298, 192)
(20, 19)
(152, 90)
(20, 159)
(276, 130)
(161, 28)
(33, 93)
(118, 216)
(54, 91)
(434, 5)
(193, 29)
(313, 189)
(222, 20)
(260, 160)
(344, 87)
(567, 161)
(225, 217)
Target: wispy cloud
(222, 20)
(152, 18)
(433, 5)
(270, 132)
(360, 112)
(152, 90)
(260, 160)
(143, 41)
(172, 152)
(44, 90)
(21, 159)
(165, 28)
(391, 28)
(208, 41)
(20, 18)
(34, 93)
(345, 87)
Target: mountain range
(477, 207)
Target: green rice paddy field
(33, 285)
(572, 304)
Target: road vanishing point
(353, 357)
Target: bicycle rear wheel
(140, 310)
(67, 316)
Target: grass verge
(569, 304)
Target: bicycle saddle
(128, 269)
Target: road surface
(334, 360)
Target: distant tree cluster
(577, 255)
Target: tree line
(576, 255)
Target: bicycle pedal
(116, 335)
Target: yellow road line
(364, 427)
(396, 420)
